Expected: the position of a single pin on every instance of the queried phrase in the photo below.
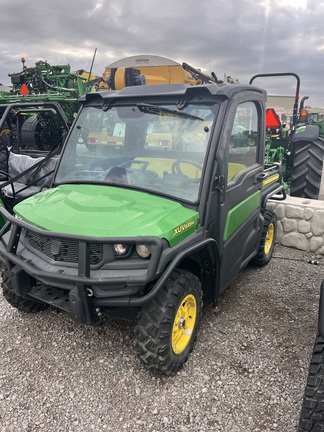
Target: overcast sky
(238, 37)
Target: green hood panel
(105, 211)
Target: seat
(117, 175)
(30, 183)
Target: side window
(242, 145)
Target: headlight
(143, 251)
(120, 249)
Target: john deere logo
(142, 60)
(183, 227)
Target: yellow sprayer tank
(156, 69)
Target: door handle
(259, 177)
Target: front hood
(105, 211)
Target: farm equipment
(158, 200)
(46, 83)
(297, 145)
(150, 70)
(316, 119)
(33, 127)
(41, 106)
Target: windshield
(159, 149)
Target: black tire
(21, 303)
(267, 241)
(163, 339)
(312, 411)
(307, 169)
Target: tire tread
(154, 327)
(312, 411)
(261, 259)
(21, 303)
(307, 169)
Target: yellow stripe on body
(270, 180)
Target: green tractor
(297, 144)
(316, 119)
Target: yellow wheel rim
(269, 239)
(184, 324)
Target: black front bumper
(81, 288)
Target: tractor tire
(307, 169)
(267, 241)
(312, 411)
(167, 327)
(20, 303)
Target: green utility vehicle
(158, 200)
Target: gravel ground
(247, 371)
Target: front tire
(166, 330)
(312, 412)
(21, 303)
(268, 238)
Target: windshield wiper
(162, 111)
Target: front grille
(65, 250)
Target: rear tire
(312, 412)
(20, 303)
(166, 330)
(267, 241)
(307, 169)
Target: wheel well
(191, 264)
(202, 266)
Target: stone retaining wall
(300, 223)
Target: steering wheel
(176, 166)
(98, 165)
